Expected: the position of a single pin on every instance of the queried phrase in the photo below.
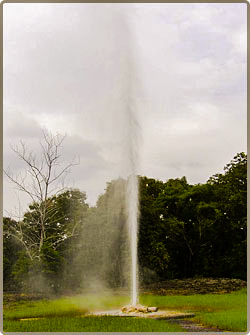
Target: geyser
(133, 227)
(133, 196)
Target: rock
(212, 282)
(152, 309)
(128, 309)
(141, 308)
(131, 310)
(138, 309)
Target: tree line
(61, 244)
(196, 230)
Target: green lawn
(91, 324)
(225, 311)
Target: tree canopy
(184, 231)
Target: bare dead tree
(44, 176)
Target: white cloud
(67, 67)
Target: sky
(176, 71)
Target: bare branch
(64, 171)
(188, 245)
(20, 185)
(40, 174)
(20, 240)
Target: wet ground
(191, 326)
(160, 314)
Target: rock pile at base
(138, 309)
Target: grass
(204, 302)
(230, 320)
(91, 324)
(68, 306)
(230, 313)
(59, 308)
(224, 311)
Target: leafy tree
(11, 250)
(152, 253)
(20, 271)
(229, 247)
(68, 213)
(188, 230)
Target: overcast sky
(180, 70)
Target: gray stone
(152, 309)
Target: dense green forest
(184, 231)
